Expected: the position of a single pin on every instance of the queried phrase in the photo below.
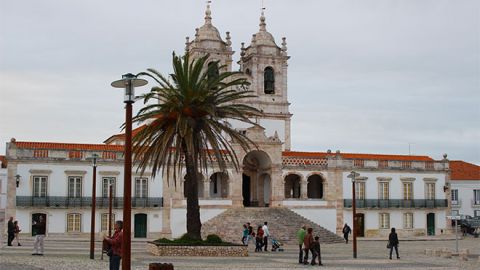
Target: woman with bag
(393, 243)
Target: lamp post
(128, 82)
(92, 225)
(354, 175)
(110, 189)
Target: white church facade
(410, 193)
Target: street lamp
(128, 82)
(17, 180)
(354, 175)
(110, 189)
(94, 194)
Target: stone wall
(208, 251)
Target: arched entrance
(256, 180)
(315, 187)
(292, 186)
(218, 187)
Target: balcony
(457, 203)
(395, 203)
(101, 202)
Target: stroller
(276, 245)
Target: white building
(465, 184)
(406, 192)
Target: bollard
(160, 266)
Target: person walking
(259, 239)
(245, 235)
(41, 228)
(17, 232)
(301, 236)
(393, 243)
(346, 230)
(116, 242)
(316, 251)
(10, 231)
(307, 244)
(266, 234)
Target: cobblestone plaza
(371, 255)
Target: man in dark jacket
(10, 231)
(393, 242)
(41, 228)
(346, 230)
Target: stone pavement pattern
(371, 255)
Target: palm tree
(187, 124)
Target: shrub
(213, 239)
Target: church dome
(263, 37)
(208, 31)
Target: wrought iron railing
(101, 202)
(395, 203)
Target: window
(141, 187)
(430, 191)
(476, 213)
(74, 222)
(455, 213)
(212, 72)
(454, 196)
(408, 220)
(384, 220)
(407, 190)
(360, 190)
(106, 181)
(39, 186)
(383, 190)
(476, 196)
(74, 186)
(269, 81)
(104, 222)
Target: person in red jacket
(308, 244)
(116, 242)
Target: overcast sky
(364, 76)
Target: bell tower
(208, 41)
(265, 66)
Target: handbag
(388, 245)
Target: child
(259, 239)
(316, 251)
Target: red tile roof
(69, 146)
(122, 135)
(462, 170)
(3, 159)
(357, 156)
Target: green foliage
(213, 238)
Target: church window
(212, 71)
(269, 81)
(248, 72)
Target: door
(36, 219)
(246, 190)
(431, 224)
(360, 224)
(140, 226)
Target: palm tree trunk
(194, 224)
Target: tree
(187, 125)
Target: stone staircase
(283, 225)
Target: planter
(204, 251)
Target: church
(275, 183)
